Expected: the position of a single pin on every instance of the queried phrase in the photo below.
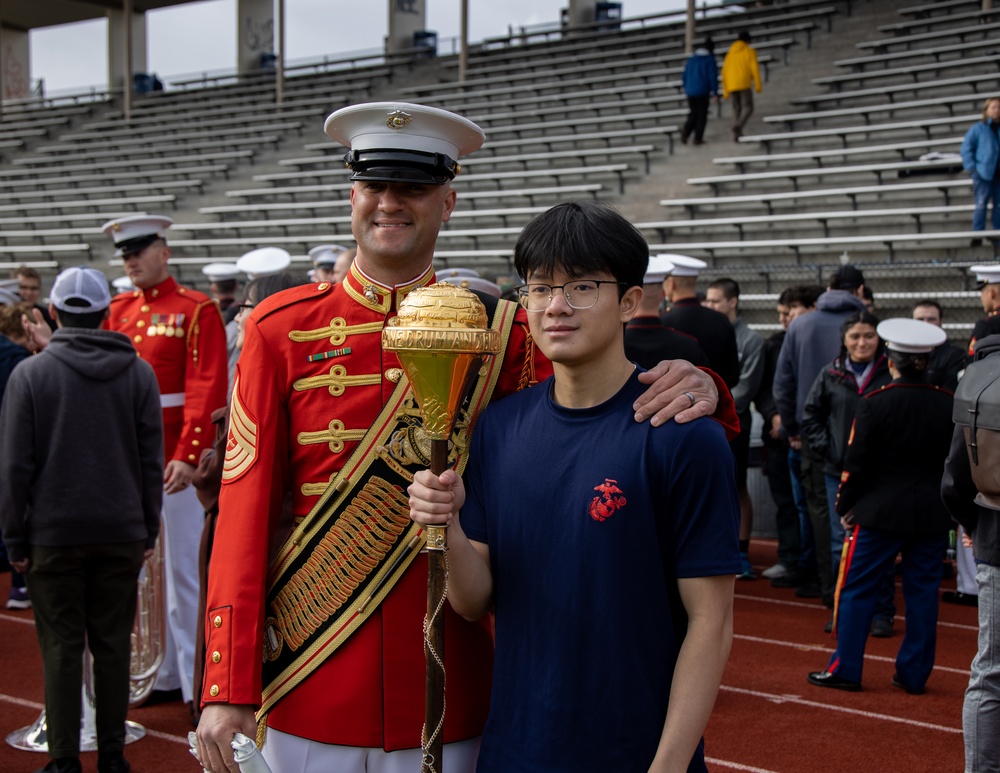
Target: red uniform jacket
(179, 332)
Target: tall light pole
(127, 70)
(689, 28)
(279, 65)
(463, 51)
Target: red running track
(767, 717)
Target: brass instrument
(148, 632)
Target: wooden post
(463, 51)
(437, 589)
(127, 72)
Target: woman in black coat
(890, 500)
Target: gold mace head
(441, 337)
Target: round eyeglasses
(579, 294)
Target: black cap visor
(401, 166)
(132, 246)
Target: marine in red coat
(311, 380)
(179, 331)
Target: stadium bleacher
(834, 164)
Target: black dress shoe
(112, 762)
(827, 679)
(157, 697)
(911, 690)
(962, 599)
(62, 765)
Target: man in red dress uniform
(321, 417)
(179, 331)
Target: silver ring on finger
(690, 397)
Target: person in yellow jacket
(740, 73)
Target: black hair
(930, 302)
(85, 319)
(225, 285)
(807, 295)
(264, 286)
(744, 36)
(730, 287)
(582, 237)
(709, 44)
(911, 366)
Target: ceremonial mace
(441, 336)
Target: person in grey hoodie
(81, 457)
(812, 341)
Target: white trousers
(965, 567)
(287, 753)
(180, 530)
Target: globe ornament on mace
(441, 336)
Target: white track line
(167, 737)
(736, 766)
(843, 709)
(784, 603)
(22, 702)
(40, 706)
(16, 619)
(964, 672)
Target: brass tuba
(148, 630)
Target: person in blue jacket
(980, 158)
(701, 83)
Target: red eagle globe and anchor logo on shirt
(611, 500)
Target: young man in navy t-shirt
(606, 548)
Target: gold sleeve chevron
(241, 448)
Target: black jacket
(894, 461)
(959, 494)
(946, 362)
(714, 332)
(830, 407)
(81, 445)
(648, 342)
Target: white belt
(176, 400)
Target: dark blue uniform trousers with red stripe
(870, 554)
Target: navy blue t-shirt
(590, 517)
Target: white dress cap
(134, 232)
(220, 272)
(403, 142)
(87, 286)
(684, 265)
(264, 261)
(474, 283)
(659, 268)
(123, 285)
(444, 273)
(325, 255)
(986, 274)
(910, 336)
(9, 294)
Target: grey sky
(202, 36)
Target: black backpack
(977, 411)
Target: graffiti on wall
(15, 75)
(258, 35)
